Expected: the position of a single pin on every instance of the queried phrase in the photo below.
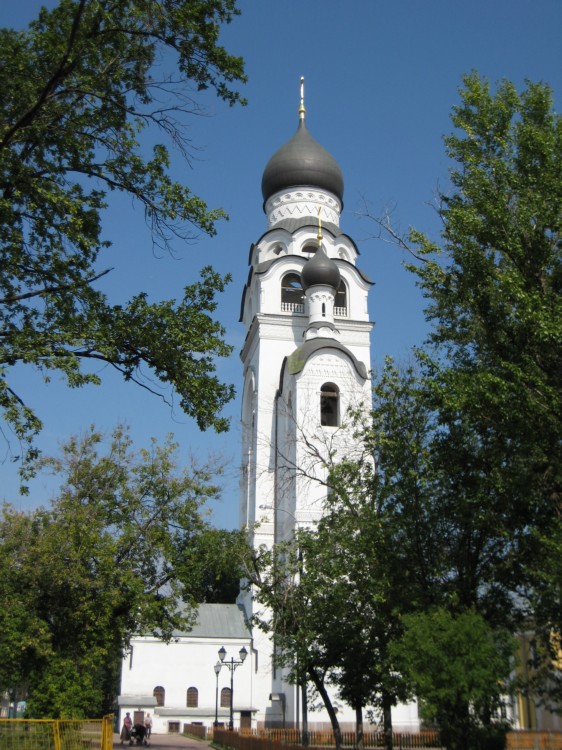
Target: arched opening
(329, 405)
(291, 293)
(340, 302)
(192, 699)
(225, 698)
(160, 694)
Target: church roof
(319, 269)
(218, 621)
(302, 162)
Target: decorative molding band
(303, 203)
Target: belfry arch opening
(291, 293)
(329, 405)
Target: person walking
(126, 729)
(148, 725)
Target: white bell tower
(306, 357)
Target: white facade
(187, 664)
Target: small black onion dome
(320, 270)
(302, 162)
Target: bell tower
(306, 355)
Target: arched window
(192, 697)
(225, 698)
(340, 302)
(329, 405)
(291, 293)
(160, 694)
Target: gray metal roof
(218, 621)
(320, 270)
(302, 162)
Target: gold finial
(319, 236)
(302, 110)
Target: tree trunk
(359, 738)
(319, 685)
(387, 720)
(304, 739)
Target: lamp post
(217, 669)
(232, 664)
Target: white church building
(306, 360)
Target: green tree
(494, 289)
(493, 365)
(427, 523)
(358, 579)
(79, 87)
(219, 557)
(292, 614)
(454, 663)
(105, 561)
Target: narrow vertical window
(329, 405)
(192, 700)
(340, 302)
(160, 695)
(225, 698)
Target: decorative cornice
(296, 204)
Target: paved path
(165, 742)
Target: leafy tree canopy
(79, 87)
(459, 667)
(494, 288)
(495, 285)
(105, 561)
(481, 490)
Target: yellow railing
(56, 734)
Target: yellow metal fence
(56, 734)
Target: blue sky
(381, 78)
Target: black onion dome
(320, 270)
(302, 162)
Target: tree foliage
(80, 87)
(219, 558)
(459, 668)
(108, 559)
(476, 492)
(495, 298)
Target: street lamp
(232, 664)
(217, 669)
